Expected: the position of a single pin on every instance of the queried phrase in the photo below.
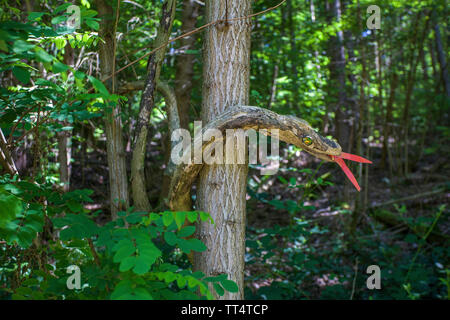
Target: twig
(5, 156)
(17, 123)
(94, 253)
(32, 129)
(354, 278)
(412, 197)
(114, 46)
(438, 215)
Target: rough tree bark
(222, 188)
(118, 183)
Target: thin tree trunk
(222, 188)
(64, 137)
(64, 155)
(183, 80)
(388, 118)
(273, 89)
(185, 61)
(337, 87)
(337, 75)
(433, 62)
(360, 114)
(293, 53)
(118, 182)
(411, 78)
(140, 197)
(441, 58)
(6, 160)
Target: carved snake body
(291, 130)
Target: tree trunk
(441, 58)
(337, 79)
(222, 188)
(388, 119)
(185, 61)
(410, 82)
(273, 89)
(64, 137)
(183, 81)
(360, 115)
(138, 186)
(118, 182)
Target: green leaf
(60, 43)
(59, 67)
(148, 253)
(35, 15)
(122, 288)
(204, 216)
(184, 245)
(3, 45)
(218, 289)
(98, 85)
(142, 294)
(127, 263)
(59, 19)
(167, 218)
(75, 206)
(21, 74)
(186, 231)
(92, 24)
(154, 216)
(181, 281)
(21, 46)
(192, 216)
(43, 56)
(229, 285)
(192, 282)
(62, 7)
(170, 277)
(196, 245)
(143, 264)
(126, 249)
(220, 277)
(179, 218)
(170, 238)
(10, 207)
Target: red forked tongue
(339, 160)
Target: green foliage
(131, 258)
(305, 259)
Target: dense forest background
(85, 126)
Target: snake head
(329, 150)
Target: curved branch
(172, 114)
(291, 130)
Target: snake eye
(307, 140)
